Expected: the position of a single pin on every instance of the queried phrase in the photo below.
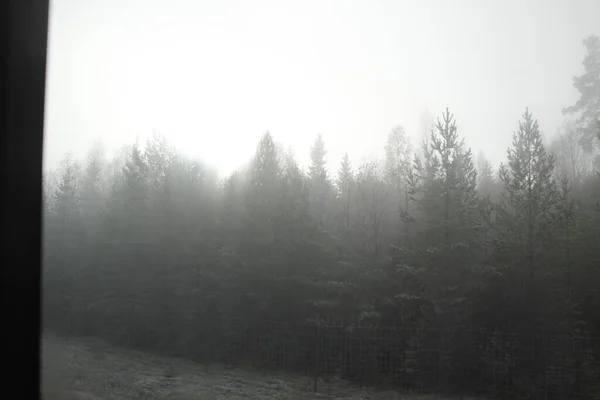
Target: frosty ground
(90, 369)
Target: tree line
(152, 250)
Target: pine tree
(530, 197)
(453, 176)
(445, 227)
(588, 85)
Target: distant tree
(49, 183)
(64, 244)
(317, 169)
(587, 107)
(93, 193)
(159, 156)
(345, 183)
(67, 202)
(265, 168)
(397, 158)
(486, 182)
(165, 175)
(345, 176)
(371, 197)
(300, 246)
(397, 165)
(135, 191)
(572, 161)
(426, 124)
(296, 198)
(264, 192)
(114, 167)
(320, 187)
(92, 203)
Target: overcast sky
(213, 76)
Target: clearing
(91, 369)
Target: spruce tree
(263, 200)
(320, 186)
(345, 183)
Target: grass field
(91, 369)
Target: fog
(214, 76)
(322, 200)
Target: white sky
(213, 76)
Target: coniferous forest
(430, 259)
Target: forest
(494, 269)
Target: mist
(304, 199)
(208, 76)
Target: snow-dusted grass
(91, 369)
